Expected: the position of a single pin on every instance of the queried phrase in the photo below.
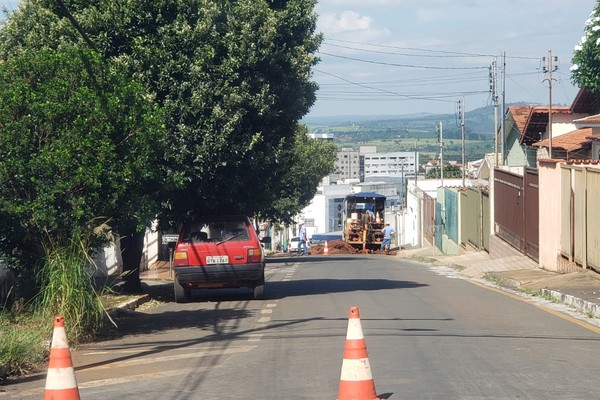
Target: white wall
(413, 216)
(109, 262)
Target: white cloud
(348, 21)
(429, 15)
(349, 24)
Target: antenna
(548, 70)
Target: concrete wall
(413, 217)
(549, 214)
(108, 261)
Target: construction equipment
(364, 220)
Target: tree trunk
(132, 246)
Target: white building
(412, 216)
(347, 165)
(324, 213)
(399, 163)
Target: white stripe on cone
(60, 379)
(59, 338)
(356, 370)
(354, 329)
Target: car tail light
(254, 255)
(180, 258)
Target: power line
(401, 54)
(378, 89)
(458, 53)
(401, 65)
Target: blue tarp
(362, 195)
(322, 237)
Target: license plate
(217, 259)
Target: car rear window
(217, 230)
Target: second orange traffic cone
(60, 381)
(356, 380)
(326, 249)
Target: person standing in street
(388, 231)
(302, 249)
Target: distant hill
(413, 132)
(357, 119)
(479, 125)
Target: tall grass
(23, 343)
(67, 287)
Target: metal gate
(531, 214)
(429, 218)
(516, 208)
(475, 218)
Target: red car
(218, 252)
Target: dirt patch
(341, 247)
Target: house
(575, 145)
(591, 124)
(514, 127)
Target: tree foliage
(585, 71)
(450, 171)
(233, 79)
(78, 142)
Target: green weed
(68, 288)
(24, 341)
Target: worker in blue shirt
(388, 231)
(302, 249)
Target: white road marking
(188, 354)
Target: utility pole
(462, 133)
(503, 108)
(549, 70)
(441, 132)
(403, 187)
(493, 90)
(416, 164)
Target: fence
(475, 218)
(580, 220)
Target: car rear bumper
(220, 275)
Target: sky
(396, 57)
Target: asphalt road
(430, 335)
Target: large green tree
(585, 70)
(233, 78)
(78, 145)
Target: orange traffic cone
(60, 381)
(356, 380)
(326, 249)
(377, 219)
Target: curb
(129, 305)
(588, 308)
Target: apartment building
(401, 164)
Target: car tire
(259, 290)
(181, 294)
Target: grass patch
(67, 290)
(24, 342)
(492, 277)
(423, 259)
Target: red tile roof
(585, 102)
(592, 120)
(538, 122)
(571, 141)
(520, 115)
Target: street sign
(169, 238)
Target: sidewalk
(579, 289)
